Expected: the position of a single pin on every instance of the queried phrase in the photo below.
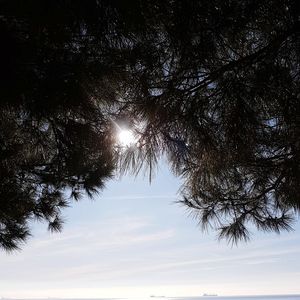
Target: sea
(207, 297)
(271, 297)
(212, 297)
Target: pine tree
(213, 85)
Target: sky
(134, 240)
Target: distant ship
(209, 295)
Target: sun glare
(126, 137)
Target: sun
(126, 137)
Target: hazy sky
(135, 241)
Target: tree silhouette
(213, 85)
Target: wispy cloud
(113, 234)
(141, 197)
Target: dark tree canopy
(212, 85)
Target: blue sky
(135, 241)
